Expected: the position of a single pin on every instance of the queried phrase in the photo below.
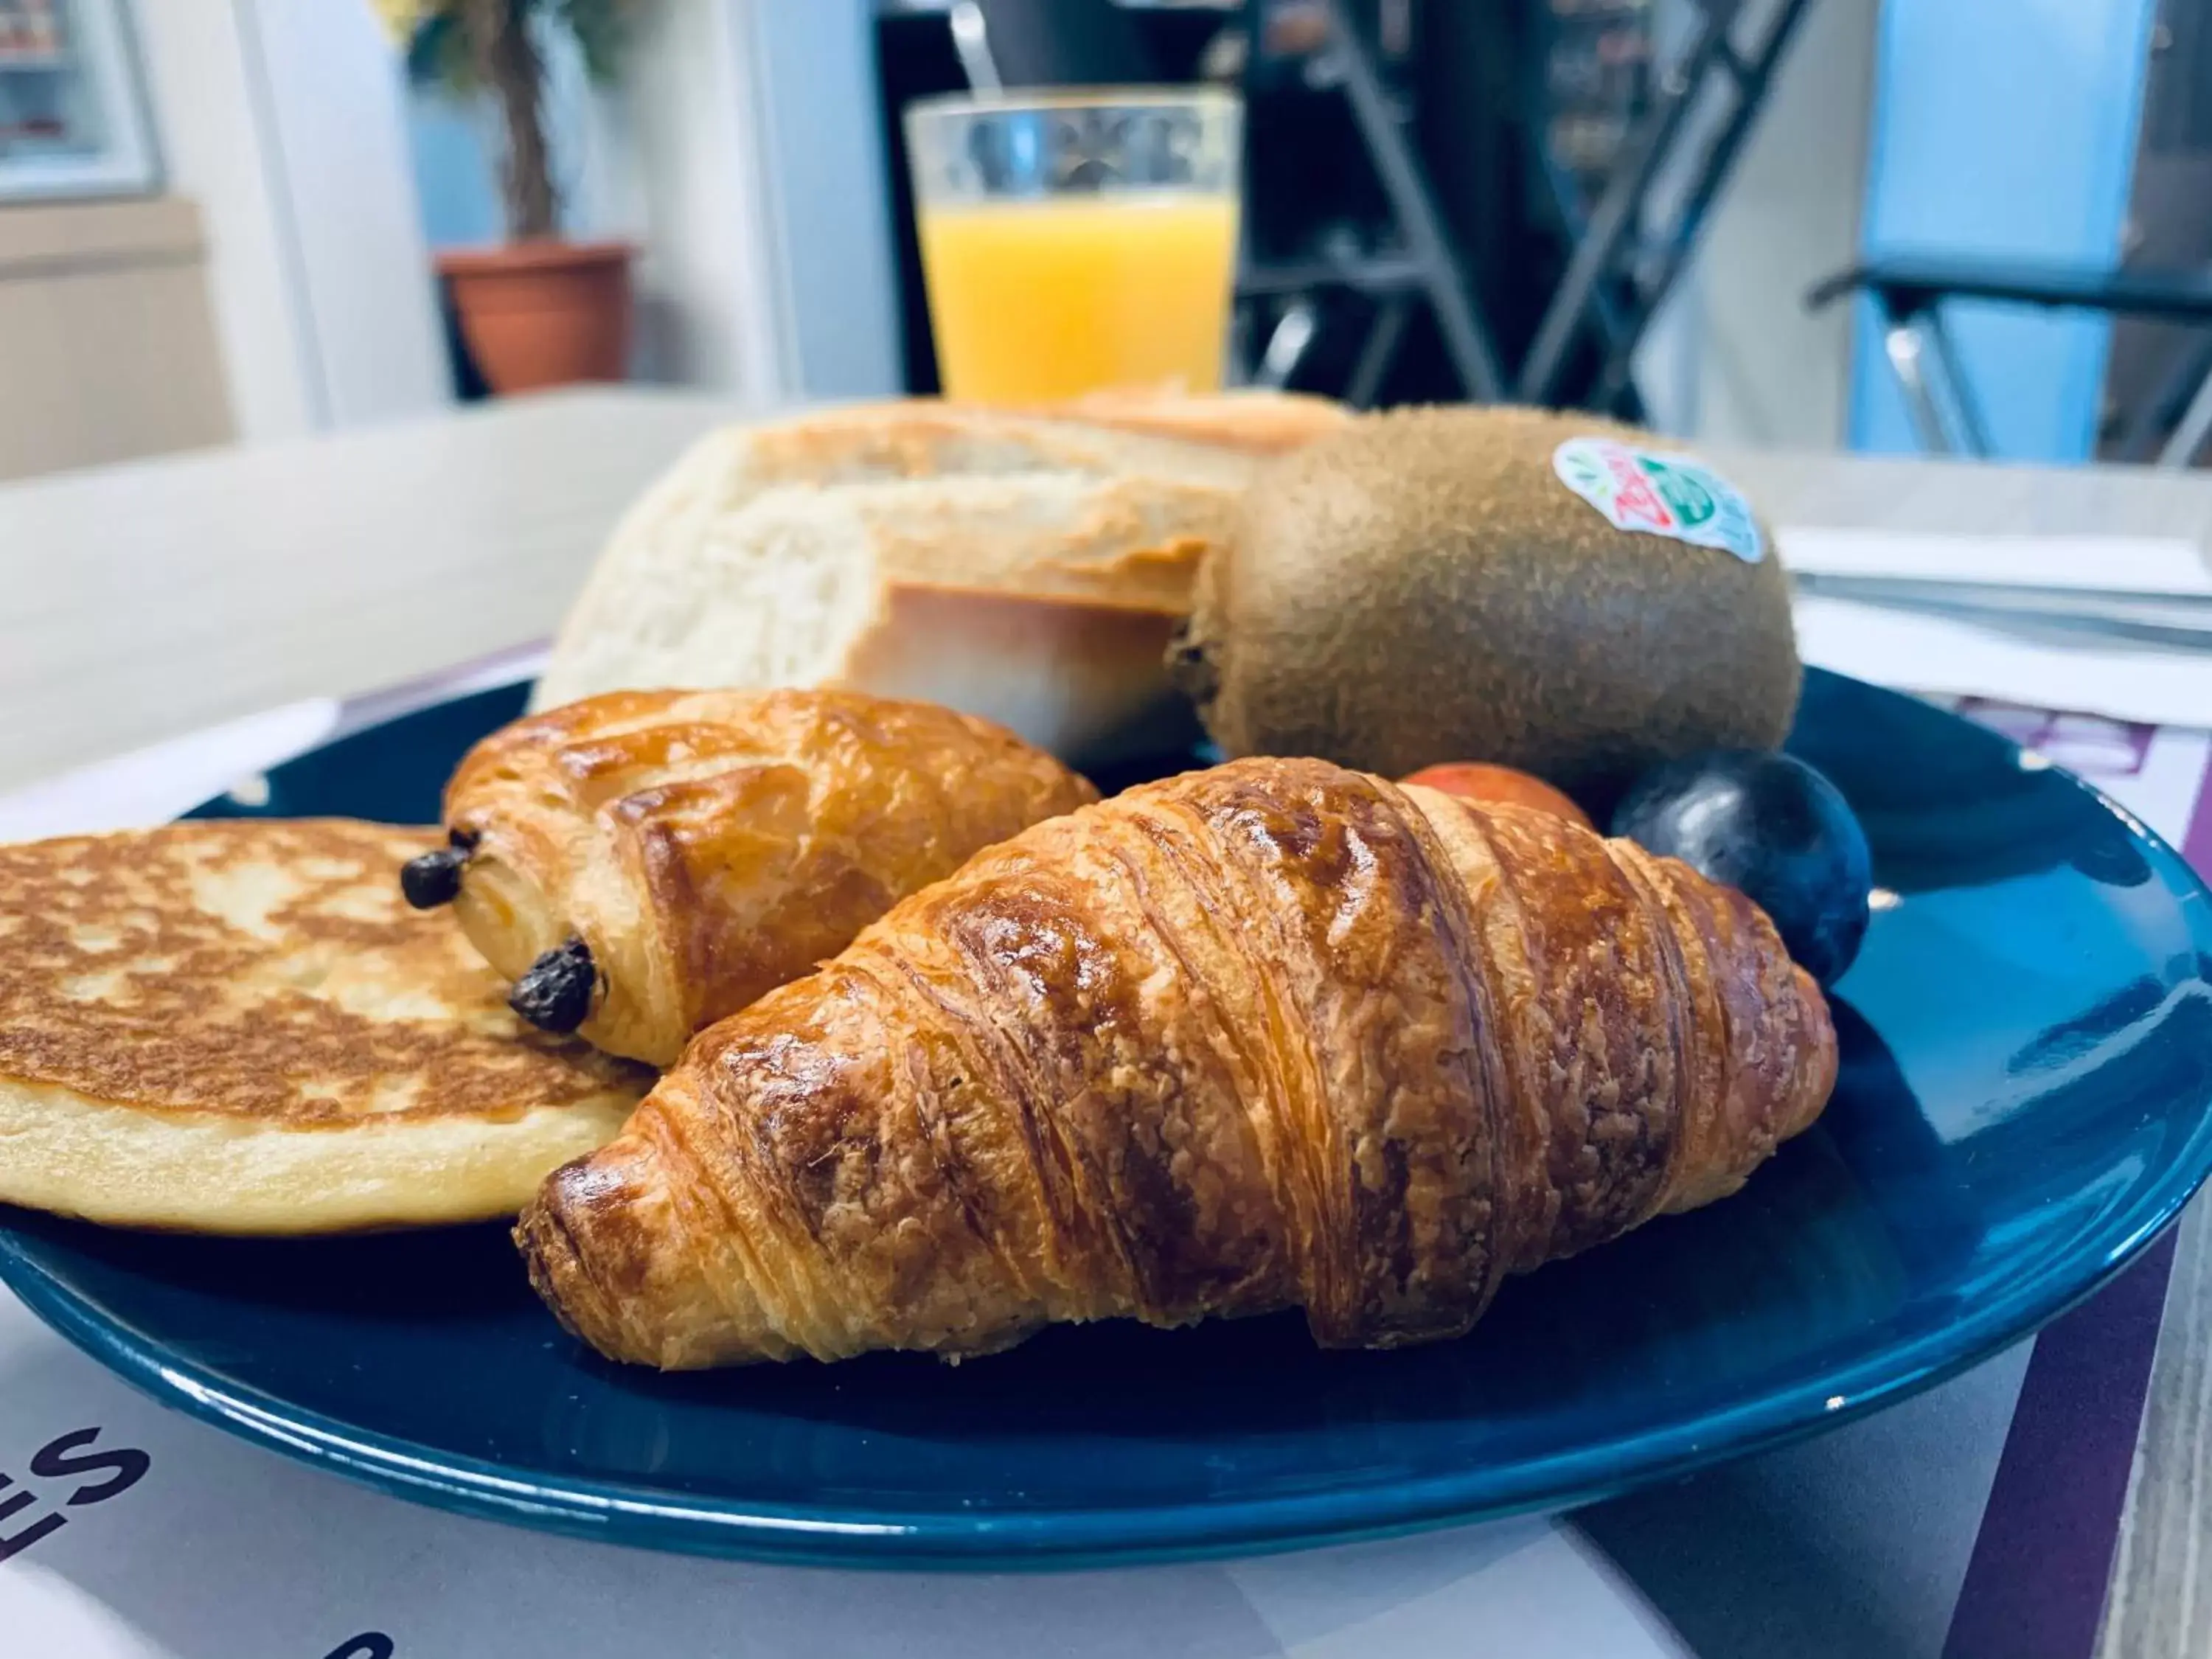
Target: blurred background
(1983, 226)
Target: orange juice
(1054, 296)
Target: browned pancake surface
(264, 968)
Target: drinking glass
(1076, 241)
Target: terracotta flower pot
(543, 313)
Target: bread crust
(1272, 1034)
(1259, 422)
(707, 846)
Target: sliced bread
(1030, 569)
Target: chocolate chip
(434, 878)
(555, 993)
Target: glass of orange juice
(1076, 241)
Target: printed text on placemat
(66, 1473)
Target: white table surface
(140, 601)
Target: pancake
(238, 1026)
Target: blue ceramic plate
(2027, 1068)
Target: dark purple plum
(1772, 827)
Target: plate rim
(661, 1518)
(1061, 1539)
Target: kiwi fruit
(1422, 586)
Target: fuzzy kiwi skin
(1421, 587)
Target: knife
(2173, 622)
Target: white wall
(281, 119)
(746, 140)
(1770, 373)
(1735, 357)
(822, 133)
(710, 307)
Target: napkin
(1919, 652)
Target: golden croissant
(642, 863)
(1275, 1034)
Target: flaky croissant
(642, 863)
(1272, 1034)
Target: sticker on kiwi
(1670, 495)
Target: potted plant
(540, 311)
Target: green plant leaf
(601, 27)
(439, 55)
